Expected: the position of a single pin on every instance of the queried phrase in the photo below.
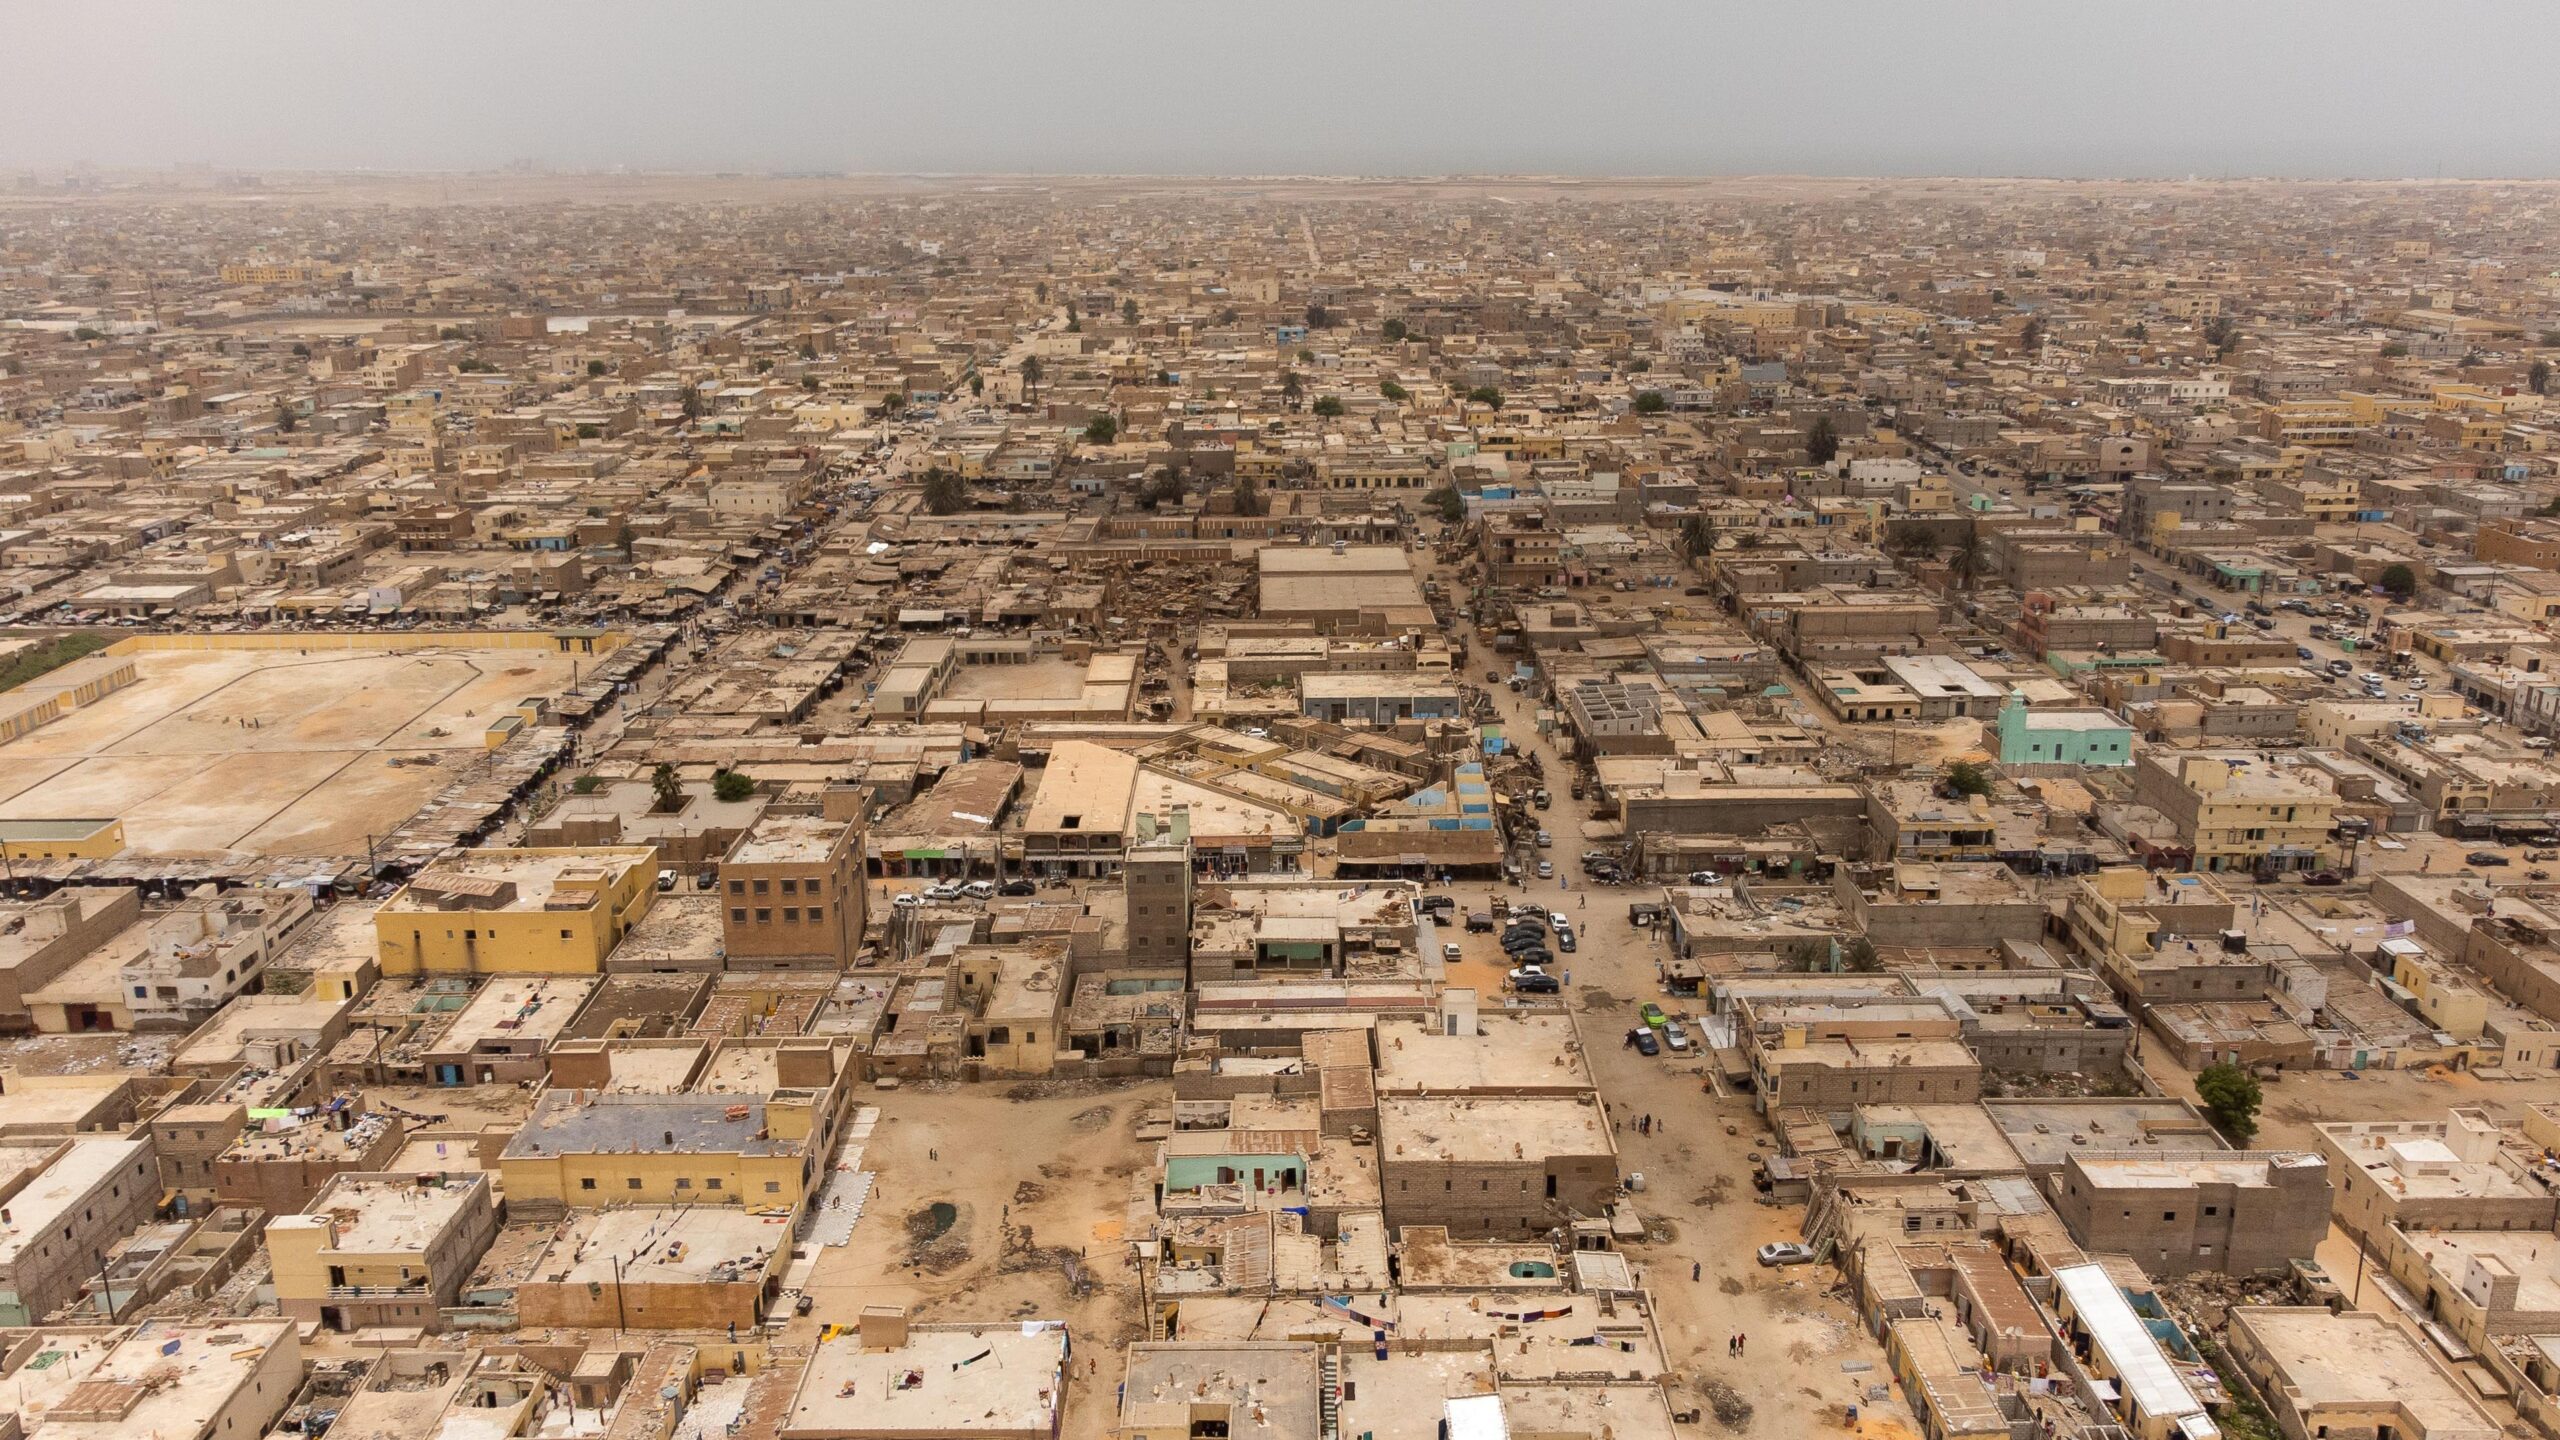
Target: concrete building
(793, 896)
(543, 912)
(2353, 1376)
(377, 1250)
(76, 1202)
(1488, 1166)
(889, 1379)
(178, 1380)
(2062, 736)
(2464, 1172)
(2238, 1212)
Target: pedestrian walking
(1694, 1272)
(1741, 1344)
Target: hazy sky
(1961, 87)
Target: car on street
(1646, 1044)
(1528, 981)
(2324, 877)
(1546, 869)
(906, 900)
(1545, 840)
(1017, 887)
(1452, 951)
(2484, 858)
(1651, 1014)
(1566, 943)
(942, 890)
(1786, 1252)
(1676, 1035)
(1559, 919)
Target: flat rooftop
(1269, 1390)
(517, 1008)
(78, 1172)
(2361, 1362)
(1002, 1378)
(2047, 1132)
(1511, 1054)
(663, 1245)
(390, 1214)
(540, 879)
(1490, 1128)
(789, 840)
(163, 1378)
(646, 1124)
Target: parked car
(1546, 869)
(1651, 1014)
(1450, 950)
(1538, 955)
(2484, 858)
(1646, 1044)
(942, 890)
(2324, 877)
(1676, 1035)
(1565, 942)
(1545, 840)
(979, 889)
(1786, 1252)
(1534, 982)
(906, 900)
(1017, 887)
(1479, 923)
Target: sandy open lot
(271, 752)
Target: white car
(1559, 919)
(979, 889)
(1450, 951)
(905, 900)
(942, 890)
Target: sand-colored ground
(270, 752)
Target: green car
(1652, 1015)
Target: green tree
(1291, 387)
(809, 383)
(2223, 334)
(667, 788)
(1249, 498)
(590, 430)
(2398, 581)
(977, 384)
(1227, 316)
(1074, 325)
(1030, 375)
(88, 332)
(763, 365)
(1970, 560)
(691, 405)
(1966, 778)
(1451, 505)
(284, 419)
(301, 351)
(1040, 292)
(1101, 430)
(729, 787)
(2395, 351)
(1698, 537)
(1128, 312)
(595, 368)
(1319, 318)
(1485, 395)
(2539, 377)
(1328, 406)
(1394, 391)
(2551, 338)
(808, 350)
(1650, 402)
(944, 494)
(586, 785)
(1822, 441)
(2031, 334)
(2231, 1097)
(1165, 487)
(1394, 330)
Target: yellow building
(61, 839)
(2240, 814)
(378, 1249)
(517, 912)
(754, 1130)
(2449, 1002)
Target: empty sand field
(270, 752)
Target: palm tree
(1030, 376)
(1969, 560)
(1698, 538)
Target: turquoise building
(2061, 737)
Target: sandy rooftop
(171, 757)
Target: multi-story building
(381, 1250)
(792, 895)
(2238, 1212)
(550, 912)
(2238, 812)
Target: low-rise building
(381, 1250)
